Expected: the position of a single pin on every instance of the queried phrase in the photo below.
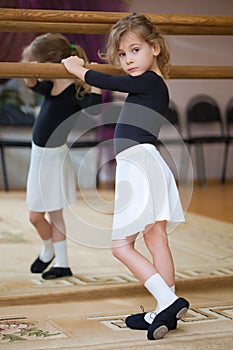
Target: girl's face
(136, 56)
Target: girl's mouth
(131, 70)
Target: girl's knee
(120, 251)
(35, 218)
(156, 234)
(116, 252)
(121, 248)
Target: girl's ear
(156, 49)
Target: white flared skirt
(145, 192)
(51, 179)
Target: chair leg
(4, 171)
(225, 157)
(200, 164)
(186, 169)
(98, 166)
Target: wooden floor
(214, 200)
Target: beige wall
(198, 7)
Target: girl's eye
(121, 54)
(136, 49)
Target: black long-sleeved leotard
(53, 124)
(147, 101)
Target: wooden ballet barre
(47, 70)
(57, 70)
(90, 22)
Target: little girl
(51, 181)
(146, 198)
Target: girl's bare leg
(140, 266)
(144, 271)
(40, 223)
(156, 240)
(155, 237)
(59, 239)
(57, 223)
(44, 229)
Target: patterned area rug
(14, 329)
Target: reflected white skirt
(145, 192)
(51, 179)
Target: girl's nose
(129, 59)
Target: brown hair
(53, 47)
(143, 27)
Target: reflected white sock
(60, 251)
(47, 251)
(149, 316)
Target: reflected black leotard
(55, 111)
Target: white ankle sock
(160, 291)
(47, 251)
(149, 316)
(61, 254)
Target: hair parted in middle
(53, 47)
(142, 26)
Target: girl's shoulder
(150, 74)
(151, 79)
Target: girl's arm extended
(128, 84)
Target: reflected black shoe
(39, 266)
(57, 272)
(167, 319)
(138, 321)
